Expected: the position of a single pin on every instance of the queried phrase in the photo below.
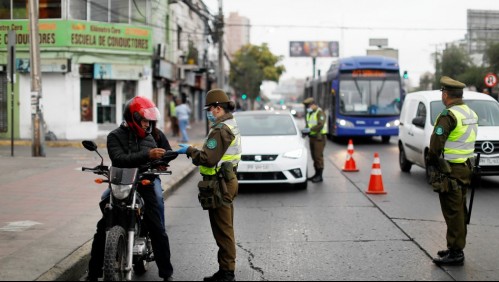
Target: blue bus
(362, 96)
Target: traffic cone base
(376, 181)
(350, 165)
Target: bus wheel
(385, 139)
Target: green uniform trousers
(317, 145)
(222, 226)
(453, 204)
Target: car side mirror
(419, 121)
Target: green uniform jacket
(445, 124)
(217, 143)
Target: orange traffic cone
(376, 182)
(350, 162)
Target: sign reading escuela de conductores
(80, 34)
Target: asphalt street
(334, 230)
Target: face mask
(211, 117)
(309, 110)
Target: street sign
(490, 80)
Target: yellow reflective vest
(312, 121)
(460, 145)
(233, 153)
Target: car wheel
(405, 165)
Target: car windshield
(487, 111)
(266, 125)
(370, 97)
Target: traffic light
(244, 96)
(258, 99)
(406, 75)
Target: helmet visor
(151, 114)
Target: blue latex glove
(183, 148)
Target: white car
(417, 119)
(274, 150)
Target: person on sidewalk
(221, 154)
(183, 116)
(172, 113)
(453, 139)
(316, 128)
(129, 146)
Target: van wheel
(385, 139)
(405, 165)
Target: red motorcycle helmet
(137, 109)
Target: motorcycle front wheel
(115, 253)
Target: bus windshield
(372, 97)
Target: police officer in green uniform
(452, 146)
(316, 128)
(221, 148)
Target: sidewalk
(49, 208)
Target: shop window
(106, 101)
(78, 9)
(120, 11)
(5, 9)
(99, 10)
(20, 9)
(86, 103)
(50, 9)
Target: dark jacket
(126, 150)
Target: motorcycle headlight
(394, 123)
(296, 154)
(121, 192)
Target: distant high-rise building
(237, 32)
(483, 29)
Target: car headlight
(296, 154)
(121, 192)
(344, 123)
(394, 123)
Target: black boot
(221, 275)
(311, 178)
(452, 258)
(318, 177)
(443, 253)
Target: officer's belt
(214, 177)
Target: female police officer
(221, 153)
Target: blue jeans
(183, 123)
(158, 192)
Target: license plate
(256, 167)
(489, 161)
(370, 131)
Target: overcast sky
(415, 27)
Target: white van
(419, 114)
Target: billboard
(318, 49)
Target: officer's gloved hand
(305, 132)
(183, 148)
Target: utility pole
(220, 30)
(38, 149)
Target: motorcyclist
(129, 146)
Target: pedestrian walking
(172, 113)
(452, 146)
(316, 128)
(218, 161)
(183, 115)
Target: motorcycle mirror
(89, 145)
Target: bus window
(370, 97)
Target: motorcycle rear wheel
(115, 254)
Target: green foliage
(251, 66)
(455, 61)
(492, 57)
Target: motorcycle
(128, 245)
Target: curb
(74, 266)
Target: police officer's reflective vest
(312, 121)
(460, 144)
(233, 153)
(173, 109)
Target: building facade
(483, 29)
(237, 32)
(95, 55)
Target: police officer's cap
(451, 84)
(215, 97)
(308, 101)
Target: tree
(251, 66)
(455, 61)
(492, 57)
(426, 81)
